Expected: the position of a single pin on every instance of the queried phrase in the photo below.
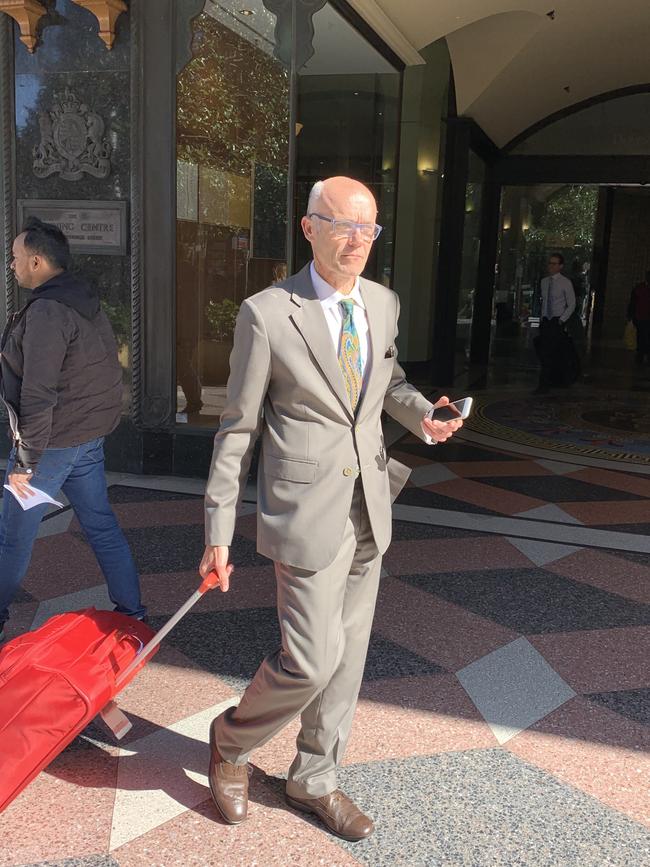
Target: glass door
(232, 148)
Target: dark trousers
(78, 472)
(560, 364)
(642, 339)
(549, 351)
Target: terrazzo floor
(504, 717)
(605, 414)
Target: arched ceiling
(512, 62)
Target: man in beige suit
(314, 364)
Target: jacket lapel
(309, 319)
(375, 314)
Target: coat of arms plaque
(72, 141)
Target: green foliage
(232, 122)
(567, 220)
(221, 316)
(119, 316)
(233, 103)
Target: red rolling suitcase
(55, 680)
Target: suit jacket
(285, 382)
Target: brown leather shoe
(228, 786)
(338, 813)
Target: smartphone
(457, 409)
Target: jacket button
(348, 471)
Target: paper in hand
(35, 498)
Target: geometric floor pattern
(504, 717)
(513, 687)
(595, 421)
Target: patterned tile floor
(504, 717)
(598, 421)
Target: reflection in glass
(471, 250)
(232, 153)
(232, 165)
(348, 124)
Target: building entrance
(603, 235)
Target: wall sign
(91, 227)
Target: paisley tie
(350, 355)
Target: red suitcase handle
(209, 583)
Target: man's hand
(19, 482)
(215, 559)
(440, 431)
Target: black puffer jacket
(61, 378)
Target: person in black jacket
(62, 386)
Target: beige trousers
(325, 620)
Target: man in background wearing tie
(558, 303)
(313, 365)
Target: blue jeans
(79, 473)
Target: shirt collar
(329, 296)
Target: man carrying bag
(62, 386)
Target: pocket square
(390, 352)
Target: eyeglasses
(347, 228)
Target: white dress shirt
(330, 299)
(558, 297)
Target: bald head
(340, 226)
(340, 193)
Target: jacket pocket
(290, 469)
(398, 476)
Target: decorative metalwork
(27, 14)
(7, 169)
(136, 221)
(153, 387)
(304, 36)
(72, 141)
(106, 12)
